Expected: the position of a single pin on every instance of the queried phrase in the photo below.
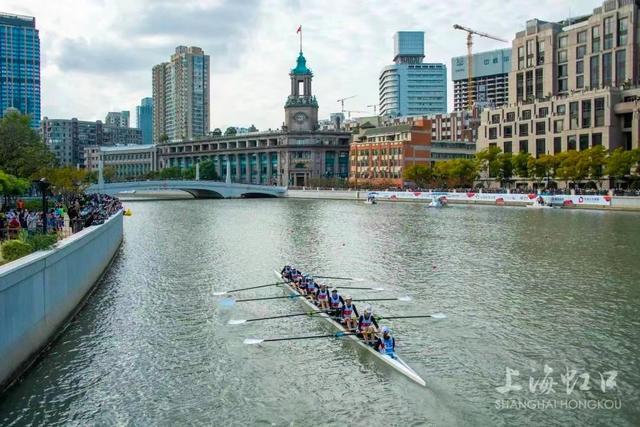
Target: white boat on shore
(398, 364)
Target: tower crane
(375, 107)
(470, 34)
(352, 111)
(341, 101)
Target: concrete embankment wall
(40, 292)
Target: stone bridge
(198, 188)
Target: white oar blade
(237, 322)
(438, 316)
(358, 279)
(227, 302)
(377, 289)
(220, 293)
(252, 341)
(404, 298)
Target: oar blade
(404, 298)
(438, 316)
(217, 294)
(237, 322)
(378, 289)
(227, 302)
(252, 341)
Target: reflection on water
(521, 288)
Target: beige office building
(181, 95)
(572, 85)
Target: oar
(243, 321)
(244, 289)
(356, 287)
(435, 316)
(267, 298)
(355, 279)
(253, 341)
(384, 299)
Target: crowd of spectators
(83, 211)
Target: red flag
(299, 29)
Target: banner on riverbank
(497, 198)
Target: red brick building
(378, 155)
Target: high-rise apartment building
(411, 87)
(573, 85)
(20, 66)
(490, 79)
(181, 95)
(117, 119)
(144, 119)
(67, 138)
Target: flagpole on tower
(300, 32)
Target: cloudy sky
(97, 55)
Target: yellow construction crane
(341, 101)
(470, 34)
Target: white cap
(347, 297)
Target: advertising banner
(497, 198)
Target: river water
(522, 289)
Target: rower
(386, 344)
(302, 286)
(348, 310)
(367, 325)
(335, 303)
(311, 288)
(322, 296)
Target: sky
(97, 55)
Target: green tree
(208, 171)
(488, 160)
(230, 131)
(216, 132)
(163, 138)
(11, 186)
(110, 174)
(253, 128)
(189, 173)
(504, 167)
(171, 173)
(67, 181)
(573, 166)
(22, 152)
(421, 175)
(521, 164)
(619, 163)
(456, 172)
(597, 157)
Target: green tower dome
(301, 67)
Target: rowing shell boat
(397, 363)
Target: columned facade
(292, 156)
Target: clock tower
(301, 108)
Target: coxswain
(386, 344)
(322, 296)
(367, 325)
(335, 303)
(348, 311)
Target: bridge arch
(199, 193)
(257, 195)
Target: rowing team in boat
(342, 310)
